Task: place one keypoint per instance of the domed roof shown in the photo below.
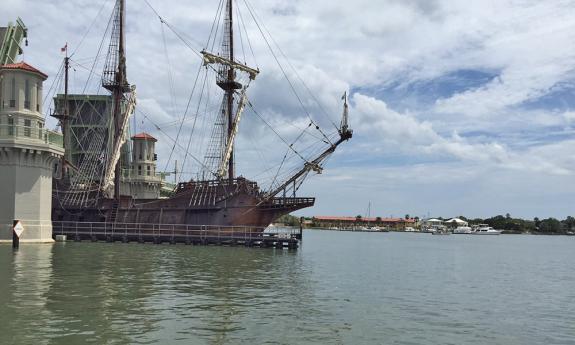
(143, 136)
(25, 67)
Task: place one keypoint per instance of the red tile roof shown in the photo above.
(363, 219)
(144, 136)
(24, 66)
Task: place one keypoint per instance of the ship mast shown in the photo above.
(64, 120)
(118, 93)
(220, 154)
(229, 86)
(114, 79)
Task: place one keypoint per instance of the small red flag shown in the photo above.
(64, 48)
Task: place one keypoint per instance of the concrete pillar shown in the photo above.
(26, 192)
(27, 157)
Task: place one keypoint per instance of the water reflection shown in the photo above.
(337, 288)
(127, 293)
(25, 283)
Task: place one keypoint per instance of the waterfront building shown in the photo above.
(28, 152)
(327, 222)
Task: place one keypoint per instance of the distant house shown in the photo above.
(349, 222)
(455, 222)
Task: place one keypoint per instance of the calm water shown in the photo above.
(338, 288)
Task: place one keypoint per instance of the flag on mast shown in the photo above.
(64, 48)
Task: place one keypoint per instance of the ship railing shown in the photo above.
(286, 201)
(216, 183)
(147, 230)
(31, 133)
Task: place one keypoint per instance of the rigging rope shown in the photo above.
(174, 31)
(297, 74)
(170, 138)
(183, 118)
(89, 28)
(240, 32)
(56, 80)
(216, 20)
(282, 69)
(196, 117)
(246, 33)
(276, 133)
(173, 99)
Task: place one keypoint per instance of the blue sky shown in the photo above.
(458, 107)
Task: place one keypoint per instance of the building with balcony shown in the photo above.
(28, 153)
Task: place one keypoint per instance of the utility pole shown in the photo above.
(66, 114)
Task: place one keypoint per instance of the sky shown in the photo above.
(458, 107)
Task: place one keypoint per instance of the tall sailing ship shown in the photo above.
(104, 179)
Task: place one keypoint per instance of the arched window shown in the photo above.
(38, 96)
(13, 93)
(27, 94)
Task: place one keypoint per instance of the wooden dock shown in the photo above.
(175, 233)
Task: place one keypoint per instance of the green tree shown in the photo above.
(550, 225)
(497, 222)
(537, 222)
(569, 223)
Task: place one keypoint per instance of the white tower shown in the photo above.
(27, 154)
(144, 182)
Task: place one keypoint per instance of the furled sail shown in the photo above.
(119, 140)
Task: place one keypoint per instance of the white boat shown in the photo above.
(368, 228)
(462, 230)
(440, 230)
(484, 229)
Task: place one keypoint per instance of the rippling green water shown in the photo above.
(338, 288)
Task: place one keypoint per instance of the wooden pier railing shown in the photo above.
(174, 233)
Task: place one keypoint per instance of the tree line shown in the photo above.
(500, 222)
(519, 225)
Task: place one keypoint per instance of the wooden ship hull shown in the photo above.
(199, 203)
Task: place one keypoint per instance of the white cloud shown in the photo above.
(397, 131)
(337, 46)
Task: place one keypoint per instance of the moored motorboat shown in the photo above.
(440, 230)
(462, 230)
(484, 229)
